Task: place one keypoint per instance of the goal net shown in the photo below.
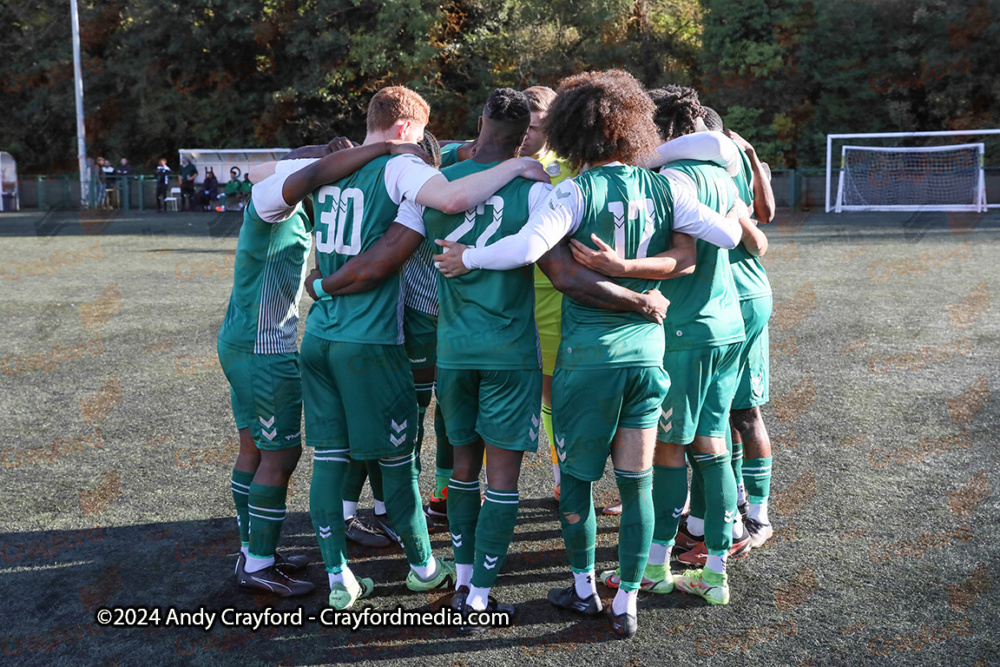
(937, 178)
(939, 170)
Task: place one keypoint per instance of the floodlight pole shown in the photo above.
(81, 133)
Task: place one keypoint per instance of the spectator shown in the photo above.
(162, 183)
(103, 169)
(186, 179)
(233, 197)
(122, 173)
(124, 169)
(209, 189)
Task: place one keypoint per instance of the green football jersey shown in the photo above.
(351, 215)
(486, 319)
(270, 265)
(449, 155)
(704, 306)
(748, 273)
(631, 210)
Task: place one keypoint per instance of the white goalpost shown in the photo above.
(931, 178)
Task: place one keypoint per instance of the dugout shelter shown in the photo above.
(222, 160)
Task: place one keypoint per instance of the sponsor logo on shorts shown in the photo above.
(400, 436)
(561, 448)
(267, 424)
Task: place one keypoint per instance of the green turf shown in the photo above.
(166, 535)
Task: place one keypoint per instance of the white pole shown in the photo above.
(829, 156)
(81, 134)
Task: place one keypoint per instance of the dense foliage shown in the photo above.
(258, 73)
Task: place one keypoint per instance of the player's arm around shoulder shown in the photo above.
(380, 262)
(553, 213)
(589, 288)
(452, 197)
(676, 262)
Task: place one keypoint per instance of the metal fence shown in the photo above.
(793, 188)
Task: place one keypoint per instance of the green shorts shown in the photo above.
(266, 393)
(753, 385)
(702, 385)
(358, 396)
(590, 405)
(420, 330)
(501, 407)
(548, 318)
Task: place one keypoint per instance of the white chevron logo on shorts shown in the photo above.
(398, 427)
(490, 562)
(456, 539)
(677, 512)
(324, 532)
(665, 422)
(266, 423)
(533, 434)
(560, 445)
(269, 434)
(397, 440)
(729, 516)
(534, 421)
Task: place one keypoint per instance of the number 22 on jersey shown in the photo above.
(496, 203)
(332, 225)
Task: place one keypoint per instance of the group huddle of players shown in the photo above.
(640, 333)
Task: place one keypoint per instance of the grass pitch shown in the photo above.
(119, 441)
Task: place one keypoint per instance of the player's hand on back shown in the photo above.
(603, 260)
(339, 144)
(655, 306)
(533, 170)
(739, 141)
(399, 147)
(310, 279)
(449, 262)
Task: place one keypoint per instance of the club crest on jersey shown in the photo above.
(552, 169)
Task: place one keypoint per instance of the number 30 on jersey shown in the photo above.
(332, 226)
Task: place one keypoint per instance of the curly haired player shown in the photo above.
(705, 335)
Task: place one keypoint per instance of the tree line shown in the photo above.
(264, 73)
